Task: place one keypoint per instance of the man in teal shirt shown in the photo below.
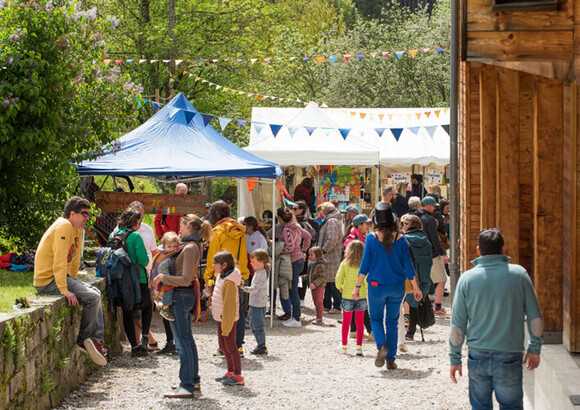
(492, 301)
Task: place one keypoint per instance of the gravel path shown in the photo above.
(304, 369)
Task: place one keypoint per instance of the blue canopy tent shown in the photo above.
(176, 142)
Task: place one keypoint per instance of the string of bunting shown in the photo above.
(390, 117)
(319, 58)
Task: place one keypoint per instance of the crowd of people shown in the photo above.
(373, 270)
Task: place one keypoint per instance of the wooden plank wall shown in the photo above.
(512, 135)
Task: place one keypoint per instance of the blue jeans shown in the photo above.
(495, 372)
(379, 298)
(332, 296)
(294, 295)
(241, 326)
(183, 302)
(168, 298)
(89, 297)
(257, 324)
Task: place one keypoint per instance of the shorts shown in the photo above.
(349, 305)
(438, 274)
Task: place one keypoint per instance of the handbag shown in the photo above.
(444, 240)
(425, 316)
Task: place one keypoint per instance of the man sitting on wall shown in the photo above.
(55, 273)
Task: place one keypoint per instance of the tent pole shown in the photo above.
(378, 185)
(272, 298)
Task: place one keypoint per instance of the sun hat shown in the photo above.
(384, 215)
(429, 200)
(360, 219)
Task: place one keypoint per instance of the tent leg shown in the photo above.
(272, 286)
(378, 185)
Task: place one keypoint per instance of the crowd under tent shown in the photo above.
(390, 143)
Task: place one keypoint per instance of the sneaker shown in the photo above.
(326, 309)
(96, 351)
(352, 335)
(381, 354)
(359, 351)
(80, 345)
(403, 348)
(292, 323)
(219, 353)
(167, 315)
(285, 316)
(139, 351)
(343, 349)
(241, 351)
(441, 312)
(222, 378)
(409, 336)
(301, 303)
(260, 350)
(316, 321)
(180, 393)
(168, 349)
(234, 380)
(196, 387)
(333, 311)
(391, 365)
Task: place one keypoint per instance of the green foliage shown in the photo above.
(46, 383)
(56, 102)
(14, 285)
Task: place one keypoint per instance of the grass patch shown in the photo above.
(14, 285)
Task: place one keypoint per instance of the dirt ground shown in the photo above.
(304, 369)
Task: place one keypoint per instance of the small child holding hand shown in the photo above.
(317, 279)
(258, 291)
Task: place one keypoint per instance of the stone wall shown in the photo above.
(40, 363)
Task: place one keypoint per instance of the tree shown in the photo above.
(56, 102)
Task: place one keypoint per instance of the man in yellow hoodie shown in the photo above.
(55, 273)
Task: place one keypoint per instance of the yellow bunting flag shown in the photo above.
(353, 113)
(107, 61)
(197, 79)
(413, 53)
(362, 114)
(258, 97)
(319, 59)
(390, 117)
(437, 112)
(381, 116)
(408, 116)
(445, 110)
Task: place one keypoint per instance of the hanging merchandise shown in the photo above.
(339, 185)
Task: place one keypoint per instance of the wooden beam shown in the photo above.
(488, 138)
(548, 206)
(520, 46)
(507, 160)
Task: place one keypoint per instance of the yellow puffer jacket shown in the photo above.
(228, 235)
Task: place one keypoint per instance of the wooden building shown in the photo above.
(519, 145)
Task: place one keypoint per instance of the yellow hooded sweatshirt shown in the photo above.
(228, 235)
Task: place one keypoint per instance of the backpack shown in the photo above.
(118, 257)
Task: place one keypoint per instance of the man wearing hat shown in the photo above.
(440, 258)
(230, 201)
(349, 213)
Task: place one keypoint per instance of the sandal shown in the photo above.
(154, 346)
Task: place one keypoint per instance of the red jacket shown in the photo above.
(166, 223)
(302, 192)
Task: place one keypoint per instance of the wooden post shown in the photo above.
(172, 93)
(507, 203)
(488, 137)
(548, 206)
(157, 95)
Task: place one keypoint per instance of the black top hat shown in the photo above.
(384, 215)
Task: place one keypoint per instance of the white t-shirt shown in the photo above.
(256, 241)
(148, 235)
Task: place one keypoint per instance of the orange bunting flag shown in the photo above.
(437, 112)
(319, 59)
(413, 53)
(352, 113)
(362, 114)
(418, 115)
(107, 61)
(258, 97)
(264, 97)
(427, 113)
(445, 110)
(390, 117)
(381, 116)
(251, 184)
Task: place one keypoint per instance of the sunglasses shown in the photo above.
(85, 214)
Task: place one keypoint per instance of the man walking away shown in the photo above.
(55, 273)
(491, 303)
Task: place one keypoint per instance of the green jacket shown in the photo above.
(422, 257)
(137, 253)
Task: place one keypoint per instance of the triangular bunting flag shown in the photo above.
(425, 50)
(333, 59)
(390, 117)
(346, 57)
(142, 61)
(129, 61)
(360, 56)
(293, 58)
(418, 114)
(107, 61)
(267, 60)
(189, 115)
(253, 60)
(217, 87)
(413, 53)
(240, 60)
(153, 61)
(380, 131)
(258, 97)
(446, 128)
(439, 50)
(118, 62)
(344, 132)
(397, 132)
(437, 112)
(381, 116)
(224, 121)
(310, 130)
(305, 59)
(362, 114)
(399, 54)
(241, 123)
(384, 53)
(408, 116)
(414, 130)
(445, 110)
(156, 106)
(258, 126)
(374, 55)
(427, 113)
(207, 118)
(292, 129)
(319, 59)
(353, 113)
(177, 62)
(327, 131)
(275, 129)
(431, 130)
(166, 61)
